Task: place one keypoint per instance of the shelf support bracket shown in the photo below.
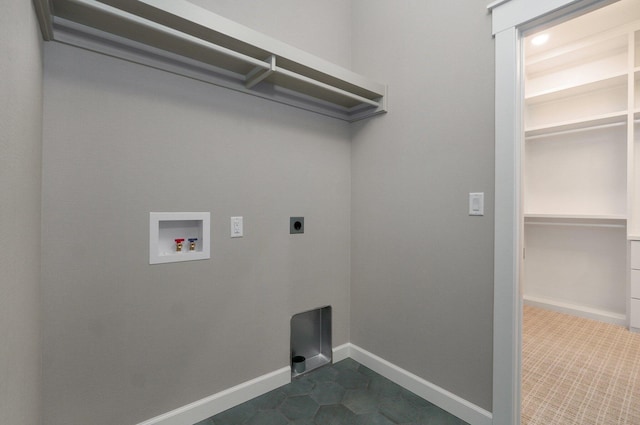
(258, 74)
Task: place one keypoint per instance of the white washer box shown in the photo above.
(166, 227)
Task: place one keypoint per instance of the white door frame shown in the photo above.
(509, 19)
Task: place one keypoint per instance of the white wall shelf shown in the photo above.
(183, 38)
(569, 217)
(577, 88)
(586, 123)
(166, 227)
(567, 220)
(577, 103)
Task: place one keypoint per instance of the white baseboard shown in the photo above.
(341, 352)
(219, 402)
(442, 398)
(576, 310)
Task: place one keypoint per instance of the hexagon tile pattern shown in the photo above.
(345, 393)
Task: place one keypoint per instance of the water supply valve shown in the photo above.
(192, 244)
(179, 244)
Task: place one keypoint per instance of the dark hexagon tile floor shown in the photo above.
(345, 393)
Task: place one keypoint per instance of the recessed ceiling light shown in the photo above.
(540, 39)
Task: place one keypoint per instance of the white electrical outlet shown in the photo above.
(237, 230)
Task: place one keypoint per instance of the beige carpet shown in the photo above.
(578, 371)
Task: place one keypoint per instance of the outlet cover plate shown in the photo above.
(237, 228)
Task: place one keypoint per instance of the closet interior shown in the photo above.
(581, 190)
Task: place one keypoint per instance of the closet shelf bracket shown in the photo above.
(259, 73)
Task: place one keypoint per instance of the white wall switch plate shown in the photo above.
(237, 230)
(476, 203)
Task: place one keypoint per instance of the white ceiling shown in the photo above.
(603, 19)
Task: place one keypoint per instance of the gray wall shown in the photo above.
(302, 24)
(422, 269)
(125, 341)
(386, 211)
(20, 190)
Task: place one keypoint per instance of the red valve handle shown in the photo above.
(179, 240)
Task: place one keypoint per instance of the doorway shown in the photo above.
(577, 203)
(511, 19)
(577, 162)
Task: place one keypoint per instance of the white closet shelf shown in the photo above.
(570, 90)
(605, 217)
(581, 220)
(182, 38)
(587, 123)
